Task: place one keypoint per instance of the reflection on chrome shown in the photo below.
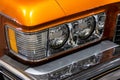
(71, 64)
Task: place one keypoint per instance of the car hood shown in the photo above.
(31, 12)
(34, 12)
(75, 6)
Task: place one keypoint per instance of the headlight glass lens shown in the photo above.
(35, 46)
(58, 36)
(84, 28)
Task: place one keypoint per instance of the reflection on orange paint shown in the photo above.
(33, 12)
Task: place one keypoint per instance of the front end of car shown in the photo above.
(76, 44)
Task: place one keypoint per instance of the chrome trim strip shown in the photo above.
(6, 75)
(115, 75)
(71, 59)
(13, 70)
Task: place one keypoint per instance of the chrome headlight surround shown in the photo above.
(36, 46)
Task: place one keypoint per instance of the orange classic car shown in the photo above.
(59, 39)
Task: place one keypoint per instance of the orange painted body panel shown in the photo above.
(75, 6)
(34, 12)
(31, 12)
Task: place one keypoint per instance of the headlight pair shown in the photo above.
(34, 46)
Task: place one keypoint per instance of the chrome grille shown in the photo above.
(7, 75)
(117, 32)
(117, 36)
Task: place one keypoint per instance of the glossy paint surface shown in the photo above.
(35, 12)
(31, 12)
(75, 6)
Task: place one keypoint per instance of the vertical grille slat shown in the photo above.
(117, 32)
(117, 36)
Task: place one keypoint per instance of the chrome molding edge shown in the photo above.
(14, 71)
(114, 75)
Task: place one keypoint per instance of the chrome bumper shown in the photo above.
(43, 72)
(11, 73)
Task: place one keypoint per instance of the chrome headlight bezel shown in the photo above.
(71, 41)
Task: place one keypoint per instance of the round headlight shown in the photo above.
(58, 36)
(84, 27)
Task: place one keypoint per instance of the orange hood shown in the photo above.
(34, 12)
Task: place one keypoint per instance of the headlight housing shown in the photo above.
(36, 46)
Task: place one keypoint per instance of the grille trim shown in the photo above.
(116, 38)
